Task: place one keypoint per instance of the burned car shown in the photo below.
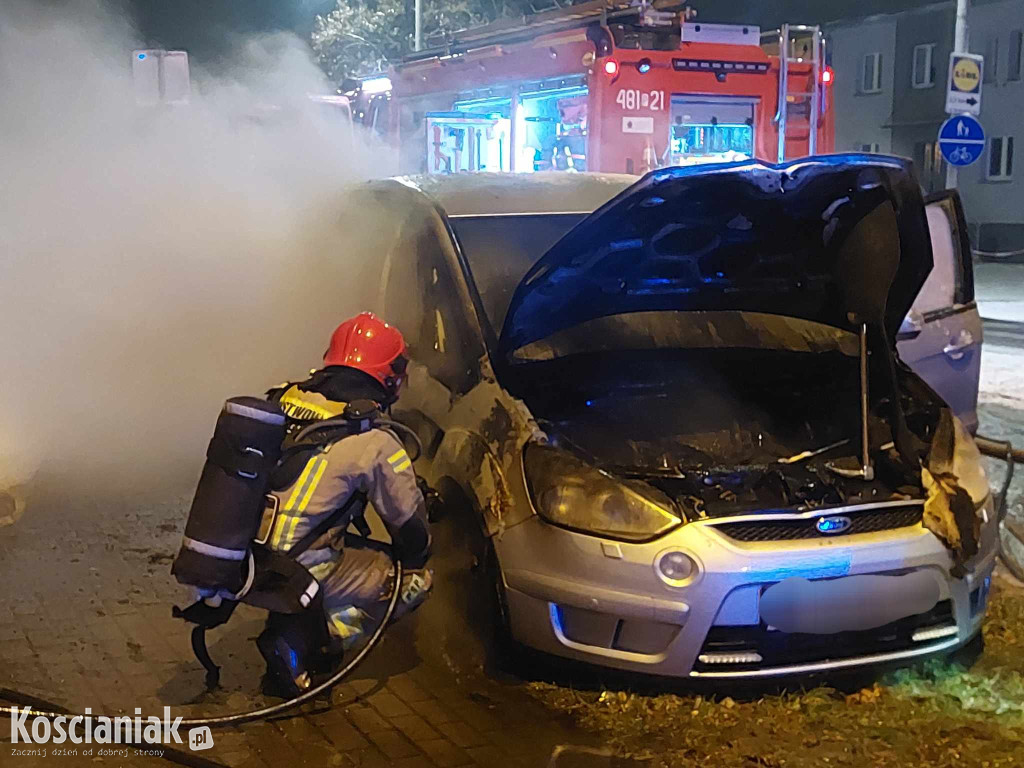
(676, 408)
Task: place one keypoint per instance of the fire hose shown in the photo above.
(1001, 449)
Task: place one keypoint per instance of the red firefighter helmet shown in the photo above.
(367, 343)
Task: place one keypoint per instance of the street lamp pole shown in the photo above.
(960, 45)
(418, 15)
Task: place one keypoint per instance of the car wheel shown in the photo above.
(499, 596)
(491, 620)
(508, 654)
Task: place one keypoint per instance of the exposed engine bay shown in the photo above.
(727, 431)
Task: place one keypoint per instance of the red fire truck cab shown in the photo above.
(608, 86)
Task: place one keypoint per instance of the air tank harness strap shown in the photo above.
(205, 617)
(342, 516)
(242, 460)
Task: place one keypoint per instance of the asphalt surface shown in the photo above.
(999, 290)
(87, 623)
(1004, 333)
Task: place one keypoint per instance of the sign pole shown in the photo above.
(960, 45)
(418, 25)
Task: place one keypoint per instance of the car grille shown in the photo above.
(867, 521)
(783, 648)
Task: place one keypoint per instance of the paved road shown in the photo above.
(1004, 333)
(999, 290)
(86, 606)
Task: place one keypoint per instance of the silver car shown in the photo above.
(676, 409)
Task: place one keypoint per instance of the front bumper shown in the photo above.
(603, 602)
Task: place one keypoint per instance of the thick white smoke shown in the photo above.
(155, 260)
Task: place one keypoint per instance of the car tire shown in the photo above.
(502, 652)
(499, 595)
(508, 654)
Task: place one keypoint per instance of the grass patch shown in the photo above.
(935, 715)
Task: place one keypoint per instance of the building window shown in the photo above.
(1000, 157)
(991, 60)
(924, 74)
(933, 160)
(870, 148)
(931, 165)
(1016, 38)
(871, 73)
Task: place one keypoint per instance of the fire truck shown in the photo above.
(607, 86)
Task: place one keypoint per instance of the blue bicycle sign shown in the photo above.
(962, 140)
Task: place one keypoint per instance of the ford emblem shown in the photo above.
(831, 525)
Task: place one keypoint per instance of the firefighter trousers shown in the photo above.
(356, 583)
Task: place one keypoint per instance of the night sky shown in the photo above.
(206, 28)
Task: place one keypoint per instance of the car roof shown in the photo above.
(482, 194)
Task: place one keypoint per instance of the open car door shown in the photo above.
(940, 339)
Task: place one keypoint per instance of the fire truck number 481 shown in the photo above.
(634, 99)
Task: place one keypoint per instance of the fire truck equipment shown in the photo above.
(658, 89)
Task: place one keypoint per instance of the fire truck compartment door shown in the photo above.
(708, 126)
(461, 141)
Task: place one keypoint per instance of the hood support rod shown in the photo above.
(867, 471)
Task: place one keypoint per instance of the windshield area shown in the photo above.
(500, 250)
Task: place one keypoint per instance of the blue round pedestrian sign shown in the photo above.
(961, 139)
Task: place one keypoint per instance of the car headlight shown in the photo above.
(571, 493)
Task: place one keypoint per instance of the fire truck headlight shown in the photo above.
(827, 76)
(643, 66)
(611, 67)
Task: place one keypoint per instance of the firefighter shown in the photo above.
(364, 362)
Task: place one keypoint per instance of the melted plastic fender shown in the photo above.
(487, 461)
(956, 485)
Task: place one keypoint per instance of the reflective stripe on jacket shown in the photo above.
(372, 463)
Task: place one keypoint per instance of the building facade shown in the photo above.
(889, 91)
(993, 189)
(862, 57)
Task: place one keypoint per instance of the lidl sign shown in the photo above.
(963, 90)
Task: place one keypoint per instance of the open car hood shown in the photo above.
(748, 236)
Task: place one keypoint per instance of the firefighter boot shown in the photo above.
(289, 648)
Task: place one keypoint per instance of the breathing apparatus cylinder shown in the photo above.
(230, 498)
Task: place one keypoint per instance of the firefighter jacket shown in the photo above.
(371, 467)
